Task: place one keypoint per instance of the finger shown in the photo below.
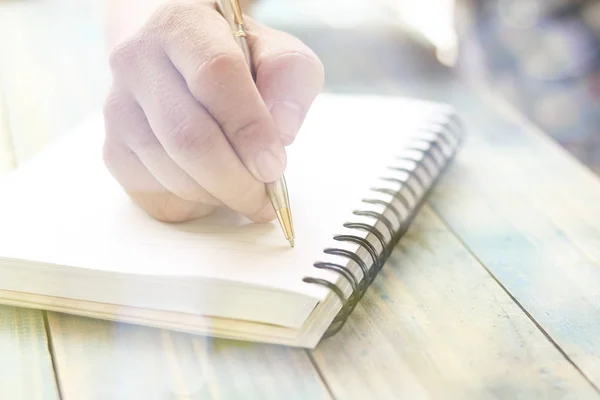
(288, 75)
(212, 63)
(145, 191)
(187, 132)
(126, 123)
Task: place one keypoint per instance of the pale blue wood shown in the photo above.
(531, 214)
(104, 360)
(25, 363)
(436, 325)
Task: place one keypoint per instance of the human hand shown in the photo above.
(187, 129)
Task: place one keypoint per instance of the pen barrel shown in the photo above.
(277, 191)
(246, 50)
(278, 194)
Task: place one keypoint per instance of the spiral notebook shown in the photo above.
(71, 241)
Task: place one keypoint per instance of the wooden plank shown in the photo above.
(567, 191)
(435, 324)
(531, 215)
(25, 364)
(103, 360)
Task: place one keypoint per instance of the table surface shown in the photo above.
(493, 293)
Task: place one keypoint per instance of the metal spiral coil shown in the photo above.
(445, 130)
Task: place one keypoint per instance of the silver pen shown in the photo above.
(277, 191)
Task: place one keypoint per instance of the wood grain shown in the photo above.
(435, 324)
(103, 360)
(530, 213)
(25, 364)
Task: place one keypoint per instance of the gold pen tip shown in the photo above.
(285, 220)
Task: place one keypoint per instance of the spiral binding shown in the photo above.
(446, 132)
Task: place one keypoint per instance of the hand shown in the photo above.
(187, 129)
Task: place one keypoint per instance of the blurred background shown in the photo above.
(540, 56)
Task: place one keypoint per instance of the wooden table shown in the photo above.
(493, 293)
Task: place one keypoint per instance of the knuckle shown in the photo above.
(249, 134)
(190, 140)
(121, 126)
(216, 66)
(142, 140)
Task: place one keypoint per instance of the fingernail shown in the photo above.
(288, 118)
(268, 166)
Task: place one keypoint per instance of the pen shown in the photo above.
(277, 191)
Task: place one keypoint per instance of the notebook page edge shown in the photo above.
(374, 99)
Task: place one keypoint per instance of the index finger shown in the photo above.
(216, 72)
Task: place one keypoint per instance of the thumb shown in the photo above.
(288, 76)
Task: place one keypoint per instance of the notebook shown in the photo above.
(71, 240)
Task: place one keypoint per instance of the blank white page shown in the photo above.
(64, 208)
